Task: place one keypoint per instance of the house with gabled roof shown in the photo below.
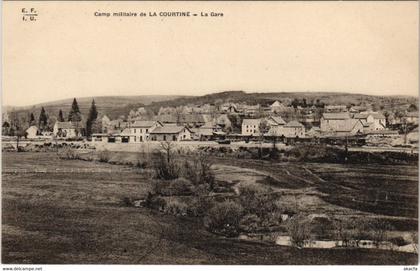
(139, 130)
(290, 129)
(278, 107)
(68, 129)
(372, 121)
(275, 120)
(171, 133)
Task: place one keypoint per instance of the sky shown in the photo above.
(359, 47)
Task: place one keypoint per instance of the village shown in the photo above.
(284, 122)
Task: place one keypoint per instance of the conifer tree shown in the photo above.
(32, 120)
(60, 116)
(93, 115)
(43, 119)
(74, 114)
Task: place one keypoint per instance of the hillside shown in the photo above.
(266, 99)
(112, 106)
(115, 106)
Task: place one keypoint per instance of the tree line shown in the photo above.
(17, 123)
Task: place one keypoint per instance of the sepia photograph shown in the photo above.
(209, 133)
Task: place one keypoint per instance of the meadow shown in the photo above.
(73, 211)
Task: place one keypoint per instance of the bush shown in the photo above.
(166, 169)
(379, 231)
(104, 156)
(224, 218)
(299, 229)
(176, 207)
(199, 171)
(68, 154)
(180, 186)
(262, 202)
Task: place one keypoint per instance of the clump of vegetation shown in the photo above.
(176, 207)
(379, 231)
(299, 229)
(68, 154)
(199, 171)
(261, 202)
(104, 156)
(166, 166)
(224, 218)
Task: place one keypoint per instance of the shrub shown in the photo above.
(166, 169)
(199, 171)
(299, 229)
(260, 201)
(176, 207)
(68, 154)
(379, 231)
(180, 186)
(224, 218)
(104, 156)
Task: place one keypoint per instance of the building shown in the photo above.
(412, 117)
(290, 129)
(68, 129)
(340, 124)
(275, 120)
(277, 107)
(99, 137)
(171, 133)
(372, 121)
(139, 130)
(330, 122)
(335, 108)
(208, 131)
(32, 132)
(251, 127)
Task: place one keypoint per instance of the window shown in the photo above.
(134, 130)
(174, 138)
(134, 139)
(164, 137)
(141, 138)
(147, 130)
(141, 130)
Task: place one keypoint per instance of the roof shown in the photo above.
(168, 129)
(68, 125)
(382, 132)
(276, 103)
(143, 123)
(336, 116)
(346, 126)
(294, 123)
(32, 127)
(375, 115)
(278, 120)
(251, 122)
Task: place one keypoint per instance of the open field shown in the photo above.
(62, 211)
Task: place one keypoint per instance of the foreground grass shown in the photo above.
(58, 216)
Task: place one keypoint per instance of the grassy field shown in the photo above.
(62, 211)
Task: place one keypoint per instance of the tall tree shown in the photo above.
(74, 114)
(43, 119)
(93, 115)
(60, 116)
(32, 120)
